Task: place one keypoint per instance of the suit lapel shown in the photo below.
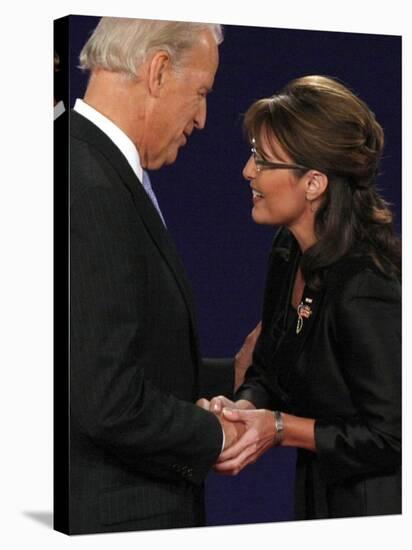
(87, 131)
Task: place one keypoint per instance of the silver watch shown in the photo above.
(279, 427)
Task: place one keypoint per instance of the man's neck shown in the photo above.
(119, 99)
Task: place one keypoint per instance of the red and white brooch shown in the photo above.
(304, 312)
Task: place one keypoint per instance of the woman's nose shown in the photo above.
(249, 170)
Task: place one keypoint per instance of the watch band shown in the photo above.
(279, 427)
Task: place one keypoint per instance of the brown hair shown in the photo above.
(323, 125)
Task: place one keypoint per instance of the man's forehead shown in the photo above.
(205, 52)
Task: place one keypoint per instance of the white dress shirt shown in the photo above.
(119, 138)
(124, 143)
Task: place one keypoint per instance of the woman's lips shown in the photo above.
(257, 196)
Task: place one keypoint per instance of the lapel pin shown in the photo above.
(304, 312)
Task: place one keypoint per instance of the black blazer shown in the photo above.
(140, 449)
(342, 369)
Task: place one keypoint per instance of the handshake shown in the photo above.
(249, 432)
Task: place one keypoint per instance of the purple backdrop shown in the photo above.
(207, 204)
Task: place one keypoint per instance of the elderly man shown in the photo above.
(140, 448)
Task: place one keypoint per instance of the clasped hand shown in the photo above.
(249, 432)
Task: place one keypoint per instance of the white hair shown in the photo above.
(123, 45)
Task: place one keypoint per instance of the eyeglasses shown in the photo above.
(263, 164)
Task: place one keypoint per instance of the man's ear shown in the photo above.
(316, 185)
(157, 72)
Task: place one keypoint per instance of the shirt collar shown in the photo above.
(113, 132)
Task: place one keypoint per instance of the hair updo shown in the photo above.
(321, 124)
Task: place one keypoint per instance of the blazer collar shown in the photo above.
(289, 342)
(83, 129)
(282, 262)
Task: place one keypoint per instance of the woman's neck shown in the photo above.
(304, 234)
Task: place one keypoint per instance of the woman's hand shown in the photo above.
(260, 435)
(243, 358)
(232, 430)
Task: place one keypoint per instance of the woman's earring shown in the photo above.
(312, 208)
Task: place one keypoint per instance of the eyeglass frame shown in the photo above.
(263, 164)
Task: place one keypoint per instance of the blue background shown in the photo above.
(207, 204)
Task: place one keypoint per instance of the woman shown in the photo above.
(327, 362)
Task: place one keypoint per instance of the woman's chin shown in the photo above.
(261, 217)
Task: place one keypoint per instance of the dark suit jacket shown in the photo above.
(140, 449)
(344, 370)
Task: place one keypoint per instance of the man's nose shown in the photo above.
(200, 118)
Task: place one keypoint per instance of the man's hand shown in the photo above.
(243, 358)
(259, 436)
(203, 403)
(233, 430)
(217, 404)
